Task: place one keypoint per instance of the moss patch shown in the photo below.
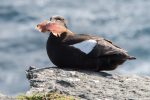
(48, 96)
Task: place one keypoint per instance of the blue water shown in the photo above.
(125, 22)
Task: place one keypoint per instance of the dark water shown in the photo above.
(125, 22)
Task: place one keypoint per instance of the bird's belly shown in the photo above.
(66, 56)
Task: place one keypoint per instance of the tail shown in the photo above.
(131, 58)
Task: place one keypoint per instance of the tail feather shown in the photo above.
(131, 58)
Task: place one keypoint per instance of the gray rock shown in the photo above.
(87, 85)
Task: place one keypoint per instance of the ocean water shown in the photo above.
(125, 22)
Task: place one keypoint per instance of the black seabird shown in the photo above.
(80, 51)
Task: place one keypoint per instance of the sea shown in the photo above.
(125, 22)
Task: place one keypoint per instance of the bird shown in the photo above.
(67, 49)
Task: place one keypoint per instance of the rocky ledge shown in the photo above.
(85, 85)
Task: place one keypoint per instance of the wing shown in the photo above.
(106, 47)
(85, 46)
(93, 46)
(82, 42)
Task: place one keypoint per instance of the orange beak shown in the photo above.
(42, 26)
(55, 27)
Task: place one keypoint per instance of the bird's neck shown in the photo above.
(60, 38)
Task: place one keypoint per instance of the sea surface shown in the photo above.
(125, 22)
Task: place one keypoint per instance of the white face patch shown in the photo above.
(85, 46)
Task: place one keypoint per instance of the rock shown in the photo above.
(87, 85)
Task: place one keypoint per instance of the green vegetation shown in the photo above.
(48, 96)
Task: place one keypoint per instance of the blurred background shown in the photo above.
(125, 22)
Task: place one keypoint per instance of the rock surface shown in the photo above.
(89, 85)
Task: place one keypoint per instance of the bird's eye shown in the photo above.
(58, 18)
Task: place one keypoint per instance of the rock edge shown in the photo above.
(86, 85)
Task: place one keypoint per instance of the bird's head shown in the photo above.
(56, 25)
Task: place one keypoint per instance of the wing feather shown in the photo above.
(93, 45)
